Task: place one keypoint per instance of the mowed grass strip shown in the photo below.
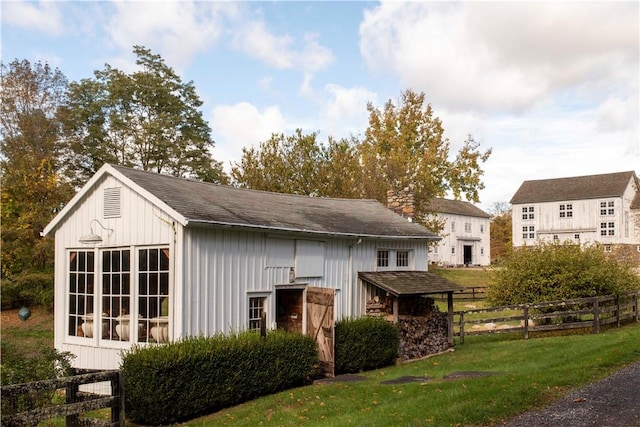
(525, 374)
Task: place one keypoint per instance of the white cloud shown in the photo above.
(242, 125)
(346, 110)
(178, 30)
(40, 16)
(501, 56)
(283, 52)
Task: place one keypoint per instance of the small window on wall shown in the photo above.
(256, 308)
(453, 226)
(402, 258)
(383, 258)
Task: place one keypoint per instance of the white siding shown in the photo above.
(476, 235)
(584, 223)
(140, 223)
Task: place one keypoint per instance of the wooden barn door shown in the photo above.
(320, 325)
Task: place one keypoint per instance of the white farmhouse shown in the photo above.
(144, 258)
(603, 209)
(465, 234)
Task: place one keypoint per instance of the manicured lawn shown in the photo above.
(467, 277)
(525, 374)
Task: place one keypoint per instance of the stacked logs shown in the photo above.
(421, 336)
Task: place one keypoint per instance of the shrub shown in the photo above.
(553, 271)
(33, 364)
(168, 383)
(364, 343)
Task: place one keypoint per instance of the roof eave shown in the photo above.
(307, 232)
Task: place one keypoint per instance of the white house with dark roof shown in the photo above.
(603, 209)
(147, 258)
(465, 234)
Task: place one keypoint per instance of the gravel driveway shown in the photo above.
(611, 402)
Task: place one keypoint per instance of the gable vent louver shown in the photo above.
(112, 205)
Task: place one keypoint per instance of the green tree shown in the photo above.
(32, 97)
(500, 232)
(405, 145)
(148, 119)
(299, 164)
(554, 271)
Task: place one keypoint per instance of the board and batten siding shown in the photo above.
(139, 224)
(222, 268)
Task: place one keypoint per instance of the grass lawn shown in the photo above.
(467, 277)
(525, 374)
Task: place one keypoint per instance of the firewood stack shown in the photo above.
(421, 336)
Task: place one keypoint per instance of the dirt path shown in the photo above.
(611, 402)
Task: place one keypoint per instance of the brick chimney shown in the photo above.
(402, 202)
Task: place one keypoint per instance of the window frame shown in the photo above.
(104, 299)
(261, 297)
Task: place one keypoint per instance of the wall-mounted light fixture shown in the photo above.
(93, 238)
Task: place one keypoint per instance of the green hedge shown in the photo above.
(165, 384)
(365, 343)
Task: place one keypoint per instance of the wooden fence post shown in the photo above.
(526, 321)
(71, 395)
(596, 316)
(617, 310)
(462, 327)
(635, 303)
(117, 389)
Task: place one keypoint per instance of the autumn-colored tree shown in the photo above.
(501, 233)
(405, 144)
(32, 190)
(148, 119)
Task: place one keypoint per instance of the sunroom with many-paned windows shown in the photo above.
(119, 294)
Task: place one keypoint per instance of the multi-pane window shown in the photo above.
(555, 237)
(607, 229)
(153, 294)
(566, 210)
(576, 236)
(453, 249)
(607, 208)
(393, 258)
(383, 258)
(81, 293)
(123, 296)
(453, 226)
(467, 227)
(528, 232)
(481, 228)
(402, 258)
(527, 212)
(116, 291)
(256, 308)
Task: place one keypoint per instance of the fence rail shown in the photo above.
(551, 316)
(31, 403)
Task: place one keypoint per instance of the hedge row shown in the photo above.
(168, 383)
(365, 343)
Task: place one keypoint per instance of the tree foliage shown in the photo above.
(554, 271)
(403, 145)
(500, 231)
(148, 119)
(300, 164)
(32, 189)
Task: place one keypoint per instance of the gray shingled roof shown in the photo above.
(573, 188)
(401, 283)
(457, 207)
(201, 202)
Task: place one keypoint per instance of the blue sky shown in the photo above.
(552, 87)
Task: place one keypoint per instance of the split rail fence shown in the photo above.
(591, 313)
(31, 403)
